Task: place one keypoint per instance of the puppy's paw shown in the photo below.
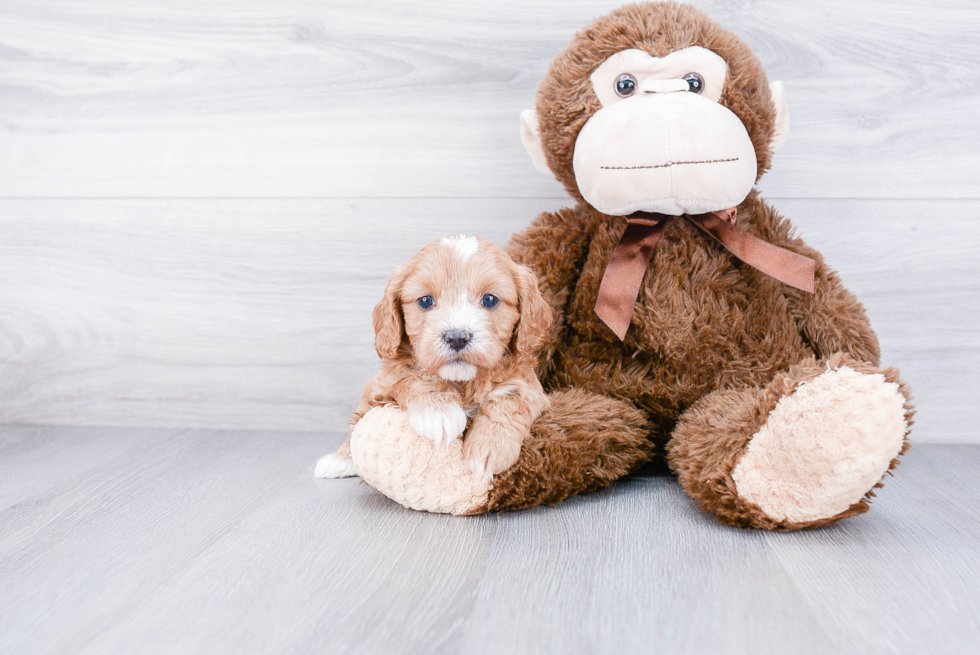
(334, 466)
(491, 448)
(442, 421)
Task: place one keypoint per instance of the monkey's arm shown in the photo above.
(831, 319)
(554, 246)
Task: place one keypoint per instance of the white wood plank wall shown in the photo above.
(200, 200)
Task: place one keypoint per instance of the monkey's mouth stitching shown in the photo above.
(667, 165)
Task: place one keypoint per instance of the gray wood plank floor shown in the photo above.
(122, 540)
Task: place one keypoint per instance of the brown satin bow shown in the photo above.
(631, 256)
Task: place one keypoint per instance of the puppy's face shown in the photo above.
(459, 306)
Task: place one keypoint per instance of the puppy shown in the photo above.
(457, 332)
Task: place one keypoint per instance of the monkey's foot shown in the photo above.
(582, 442)
(413, 470)
(824, 446)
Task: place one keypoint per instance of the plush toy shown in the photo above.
(689, 323)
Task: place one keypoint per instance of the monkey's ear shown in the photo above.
(531, 139)
(782, 116)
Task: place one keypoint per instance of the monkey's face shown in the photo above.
(686, 132)
(661, 142)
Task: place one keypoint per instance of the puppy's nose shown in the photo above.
(457, 339)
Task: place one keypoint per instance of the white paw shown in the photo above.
(333, 466)
(824, 446)
(442, 425)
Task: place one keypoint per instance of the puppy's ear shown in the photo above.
(389, 326)
(535, 314)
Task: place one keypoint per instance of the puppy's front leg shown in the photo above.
(494, 441)
(437, 416)
(491, 447)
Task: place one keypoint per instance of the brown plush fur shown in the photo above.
(583, 442)
(703, 319)
(713, 344)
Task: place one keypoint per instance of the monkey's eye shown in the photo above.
(695, 83)
(425, 302)
(489, 300)
(625, 85)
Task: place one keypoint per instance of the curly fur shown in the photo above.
(497, 403)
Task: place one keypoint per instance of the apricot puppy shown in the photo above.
(458, 331)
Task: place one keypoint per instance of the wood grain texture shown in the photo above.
(248, 306)
(256, 314)
(354, 98)
(222, 313)
(221, 542)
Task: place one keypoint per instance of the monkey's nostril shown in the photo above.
(457, 339)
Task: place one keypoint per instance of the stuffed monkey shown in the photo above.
(689, 322)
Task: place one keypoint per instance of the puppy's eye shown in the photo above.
(625, 85)
(695, 83)
(489, 300)
(426, 302)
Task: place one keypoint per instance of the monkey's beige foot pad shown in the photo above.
(412, 470)
(824, 446)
